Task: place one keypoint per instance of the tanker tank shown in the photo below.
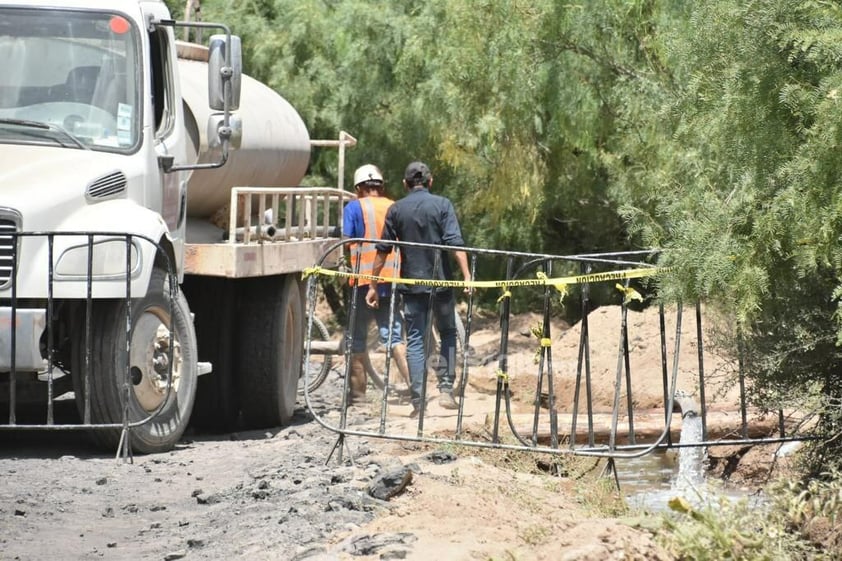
(275, 148)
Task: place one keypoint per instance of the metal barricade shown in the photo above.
(55, 344)
(564, 417)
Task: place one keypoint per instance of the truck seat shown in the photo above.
(110, 89)
(81, 83)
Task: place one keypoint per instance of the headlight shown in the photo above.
(108, 257)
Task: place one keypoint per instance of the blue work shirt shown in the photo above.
(422, 217)
(353, 226)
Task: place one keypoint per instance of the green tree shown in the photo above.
(752, 218)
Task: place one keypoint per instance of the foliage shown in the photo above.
(475, 89)
(726, 531)
(754, 220)
(801, 521)
(813, 510)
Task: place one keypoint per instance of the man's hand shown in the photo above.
(468, 290)
(371, 297)
(462, 260)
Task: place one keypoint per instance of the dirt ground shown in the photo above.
(302, 493)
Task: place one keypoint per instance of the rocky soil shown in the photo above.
(300, 493)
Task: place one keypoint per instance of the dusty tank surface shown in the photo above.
(275, 148)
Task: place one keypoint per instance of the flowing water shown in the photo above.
(651, 481)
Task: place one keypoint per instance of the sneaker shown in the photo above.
(446, 401)
(416, 410)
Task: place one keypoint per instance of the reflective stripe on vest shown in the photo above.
(374, 216)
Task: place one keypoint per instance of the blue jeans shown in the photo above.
(359, 332)
(417, 308)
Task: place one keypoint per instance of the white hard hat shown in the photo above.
(367, 172)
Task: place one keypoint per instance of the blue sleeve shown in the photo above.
(451, 233)
(352, 220)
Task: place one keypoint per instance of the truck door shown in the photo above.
(169, 135)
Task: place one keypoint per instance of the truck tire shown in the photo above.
(213, 303)
(151, 316)
(270, 332)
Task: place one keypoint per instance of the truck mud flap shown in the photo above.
(49, 331)
(540, 388)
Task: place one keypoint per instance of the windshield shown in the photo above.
(69, 79)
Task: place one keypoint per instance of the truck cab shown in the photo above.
(94, 164)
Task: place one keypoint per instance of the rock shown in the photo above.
(378, 543)
(440, 457)
(390, 483)
(392, 552)
(207, 499)
(260, 494)
(314, 553)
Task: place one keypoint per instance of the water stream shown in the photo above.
(691, 459)
(651, 481)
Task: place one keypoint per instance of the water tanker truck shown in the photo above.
(152, 234)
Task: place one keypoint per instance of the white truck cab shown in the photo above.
(95, 156)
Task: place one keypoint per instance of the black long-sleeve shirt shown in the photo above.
(421, 217)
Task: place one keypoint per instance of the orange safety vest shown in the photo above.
(374, 216)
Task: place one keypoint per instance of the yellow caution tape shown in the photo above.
(503, 375)
(560, 283)
(506, 294)
(629, 293)
(310, 271)
(560, 286)
(546, 342)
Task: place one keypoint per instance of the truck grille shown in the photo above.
(8, 227)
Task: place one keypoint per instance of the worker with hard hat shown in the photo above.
(363, 218)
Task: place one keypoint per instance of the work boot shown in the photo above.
(416, 411)
(446, 400)
(357, 382)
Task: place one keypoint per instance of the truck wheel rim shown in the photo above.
(149, 369)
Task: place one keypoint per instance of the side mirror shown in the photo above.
(216, 122)
(220, 71)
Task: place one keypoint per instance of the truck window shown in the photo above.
(71, 76)
(162, 82)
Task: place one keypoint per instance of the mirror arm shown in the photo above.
(226, 72)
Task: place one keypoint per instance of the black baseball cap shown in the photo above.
(417, 173)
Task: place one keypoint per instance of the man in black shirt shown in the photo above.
(421, 217)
